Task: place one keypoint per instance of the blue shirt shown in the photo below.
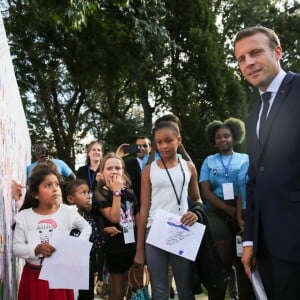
(214, 170)
(62, 168)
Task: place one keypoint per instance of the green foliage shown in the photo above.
(202, 86)
(282, 16)
(123, 132)
(109, 67)
(79, 11)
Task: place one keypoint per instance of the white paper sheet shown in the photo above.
(68, 267)
(168, 233)
(258, 287)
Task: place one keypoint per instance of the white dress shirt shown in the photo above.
(273, 89)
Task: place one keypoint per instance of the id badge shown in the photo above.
(128, 232)
(239, 245)
(228, 193)
(91, 197)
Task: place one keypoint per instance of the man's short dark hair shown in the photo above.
(249, 31)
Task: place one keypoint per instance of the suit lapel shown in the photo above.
(138, 168)
(278, 101)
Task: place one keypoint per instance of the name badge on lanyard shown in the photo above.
(239, 245)
(128, 232)
(91, 197)
(228, 192)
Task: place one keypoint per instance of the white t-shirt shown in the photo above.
(33, 229)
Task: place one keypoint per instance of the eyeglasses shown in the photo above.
(142, 146)
(40, 149)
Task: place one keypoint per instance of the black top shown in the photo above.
(96, 220)
(103, 198)
(134, 171)
(89, 175)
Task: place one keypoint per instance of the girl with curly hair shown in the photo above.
(222, 180)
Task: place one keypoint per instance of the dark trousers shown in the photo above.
(87, 294)
(281, 279)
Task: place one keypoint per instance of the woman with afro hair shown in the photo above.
(222, 180)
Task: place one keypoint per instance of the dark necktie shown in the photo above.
(263, 118)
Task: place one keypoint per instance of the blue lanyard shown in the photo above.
(226, 168)
(91, 180)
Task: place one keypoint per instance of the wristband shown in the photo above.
(117, 193)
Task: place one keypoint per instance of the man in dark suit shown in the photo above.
(134, 166)
(272, 224)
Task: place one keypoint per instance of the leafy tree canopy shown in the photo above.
(108, 67)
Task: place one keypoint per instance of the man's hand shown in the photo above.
(120, 151)
(247, 260)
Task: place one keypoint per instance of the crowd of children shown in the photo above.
(100, 206)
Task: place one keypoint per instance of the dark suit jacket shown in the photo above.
(273, 191)
(134, 171)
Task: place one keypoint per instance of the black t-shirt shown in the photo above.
(103, 198)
